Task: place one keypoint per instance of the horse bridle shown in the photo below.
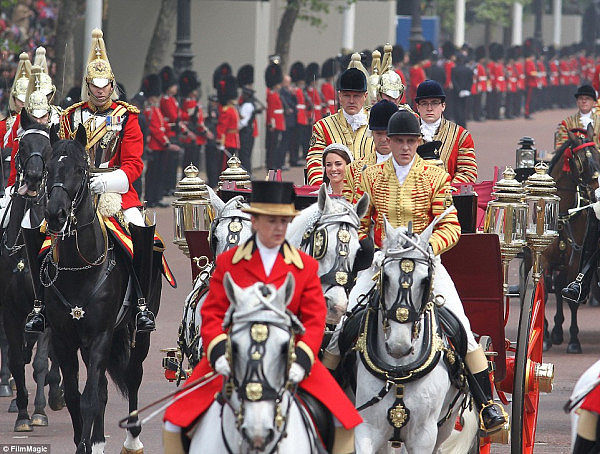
(234, 228)
(21, 166)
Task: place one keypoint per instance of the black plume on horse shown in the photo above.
(86, 277)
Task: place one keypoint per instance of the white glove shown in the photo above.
(296, 373)
(596, 207)
(597, 191)
(222, 366)
(378, 257)
(115, 181)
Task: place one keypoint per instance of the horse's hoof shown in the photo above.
(12, 408)
(6, 391)
(124, 450)
(38, 419)
(574, 348)
(557, 337)
(56, 399)
(23, 425)
(547, 345)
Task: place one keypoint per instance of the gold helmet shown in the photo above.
(46, 81)
(390, 82)
(97, 71)
(373, 79)
(19, 88)
(356, 62)
(37, 104)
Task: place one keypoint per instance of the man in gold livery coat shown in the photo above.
(587, 113)
(349, 126)
(406, 189)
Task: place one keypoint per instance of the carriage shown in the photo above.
(478, 265)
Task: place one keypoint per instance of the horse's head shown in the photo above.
(330, 235)
(34, 151)
(260, 347)
(231, 226)
(406, 278)
(583, 157)
(67, 182)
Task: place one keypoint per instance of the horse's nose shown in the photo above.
(56, 219)
(259, 441)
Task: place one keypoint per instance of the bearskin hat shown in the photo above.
(312, 72)
(167, 78)
(151, 85)
(328, 69)
(397, 53)
(297, 71)
(366, 58)
(224, 69)
(273, 75)
(188, 82)
(245, 75)
(227, 89)
(479, 53)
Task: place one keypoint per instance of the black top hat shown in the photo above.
(227, 89)
(380, 115)
(273, 75)
(586, 90)
(428, 150)
(404, 123)
(312, 72)
(297, 71)
(273, 198)
(430, 89)
(328, 69)
(245, 75)
(167, 78)
(188, 82)
(352, 80)
(224, 69)
(151, 85)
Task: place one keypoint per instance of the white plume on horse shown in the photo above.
(267, 425)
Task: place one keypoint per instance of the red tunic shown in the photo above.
(531, 79)
(315, 113)
(574, 68)
(170, 110)
(417, 75)
(301, 117)
(512, 78)
(491, 71)
(554, 74)
(228, 132)
(499, 77)
(520, 74)
(565, 72)
(448, 65)
(128, 155)
(542, 78)
(157, 139)
(480, 80)
(592, 401)
(328, 98)
(2, 131)
(307, 303)
(275, 117)
(189, 107)
(596, 79)
(13, 145)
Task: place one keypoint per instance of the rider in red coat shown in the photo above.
(267, 258)
(587, 425)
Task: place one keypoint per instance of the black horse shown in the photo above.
(575, 168)
(16, 273)
(87, 279)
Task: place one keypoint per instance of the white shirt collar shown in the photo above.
(267, 255)
(429, 129)
(357, 120)
(402, 171)
(587, 118)
(382, 157)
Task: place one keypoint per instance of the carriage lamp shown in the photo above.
(192, 209)
(526, 157)
(506, 216)
(234, 173)
(542, 214)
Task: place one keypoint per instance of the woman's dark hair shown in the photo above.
(338, 151)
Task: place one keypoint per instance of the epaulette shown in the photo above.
(243, 252)
(292, 256)
(130, 107)
(72, 107)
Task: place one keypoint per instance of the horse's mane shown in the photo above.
(36, 125)
(557, 155)
(69, 148)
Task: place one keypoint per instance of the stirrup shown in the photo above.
(496, 428)
(36, 322)
(574, 290)
(145, 326)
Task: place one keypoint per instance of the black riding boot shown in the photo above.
(36, 320)
(578, 290)
(143, 251)
(491, 415)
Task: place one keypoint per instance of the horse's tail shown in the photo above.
(119, 358)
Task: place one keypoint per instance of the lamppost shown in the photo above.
(182, 57)
(416, 31)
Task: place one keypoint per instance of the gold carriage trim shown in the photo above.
(213, 343)
(306, 349)
(254, 391)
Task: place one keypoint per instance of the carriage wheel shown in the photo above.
(526, 389)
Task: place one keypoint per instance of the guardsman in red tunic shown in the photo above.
(313, 109)
(114, 140)
(542, 83)
(267, 258)
(491, 94)
(416, 73)
(275, 118)
(192, 129)
(480, 83)
(531, 77)
(301, 137)
(328, 71)
(512, 84)
(228, 133)
(520, 69)
(170, 109)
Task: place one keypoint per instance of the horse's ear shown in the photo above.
(81, 136)
(25, 118)
(573, 138)
(323, 198)
(215, 201)
(289, 286)
(230, 288)
(54, 134)
(362, 206)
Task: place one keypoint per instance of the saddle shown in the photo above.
(321, 418)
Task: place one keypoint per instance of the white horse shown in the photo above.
(403, 385)
(328, 230)
(585, 384)
(260, 414)
(230, 227)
